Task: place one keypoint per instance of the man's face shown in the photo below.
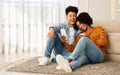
(71, 18)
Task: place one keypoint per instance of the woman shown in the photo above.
(90, 43)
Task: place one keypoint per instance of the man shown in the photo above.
(55, 36)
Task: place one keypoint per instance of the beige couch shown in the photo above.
(113, 48)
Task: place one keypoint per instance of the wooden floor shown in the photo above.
(18, 73)
(7, 59)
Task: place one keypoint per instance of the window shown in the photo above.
(25, 22)
(115, 9)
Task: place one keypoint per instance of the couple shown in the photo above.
(80, 44)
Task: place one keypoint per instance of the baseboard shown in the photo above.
(114, 57)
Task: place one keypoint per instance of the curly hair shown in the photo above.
(71, 9)
(85, 18)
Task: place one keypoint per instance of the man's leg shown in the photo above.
(45, 60)
(53, 44)
(93, 53)
(58, 46)
(49, 47)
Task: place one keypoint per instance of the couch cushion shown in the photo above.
(114, 57)
(113, 43)
(110, 25)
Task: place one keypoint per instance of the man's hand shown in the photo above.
(51, 33)
(63, 38)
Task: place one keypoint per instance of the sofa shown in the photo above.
(113, 47)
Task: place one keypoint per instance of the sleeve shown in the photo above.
(57, 27)
(101, 39)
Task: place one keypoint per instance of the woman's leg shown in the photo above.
(93, 53)
(82, 59)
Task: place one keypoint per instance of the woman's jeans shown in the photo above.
(93, 53)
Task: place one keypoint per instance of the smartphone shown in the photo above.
(63, 32)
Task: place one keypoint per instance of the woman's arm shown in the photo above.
(101, 39)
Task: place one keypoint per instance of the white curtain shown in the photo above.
(24, 24)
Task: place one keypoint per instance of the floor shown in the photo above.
(17, 73)
(5, 60)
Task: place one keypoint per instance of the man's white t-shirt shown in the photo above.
(71, 38)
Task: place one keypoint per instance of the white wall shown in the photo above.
(70, 2)
(0, 31)
(98, 9)
(83, 5)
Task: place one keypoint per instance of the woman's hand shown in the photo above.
(84, 34)
(105, 32)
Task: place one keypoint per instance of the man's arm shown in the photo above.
(54, 29)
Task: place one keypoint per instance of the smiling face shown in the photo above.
(82, 26)
(71, 18)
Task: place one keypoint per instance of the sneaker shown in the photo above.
(40, 59)
(43, 61)
(59, 67)
(63, 63)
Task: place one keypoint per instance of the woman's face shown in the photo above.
(81, 26)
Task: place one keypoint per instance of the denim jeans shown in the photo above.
(55, 45)
(80, 60)
(93, 53)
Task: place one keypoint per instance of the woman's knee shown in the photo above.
(83, 39)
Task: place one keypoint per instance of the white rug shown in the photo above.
(31, 66)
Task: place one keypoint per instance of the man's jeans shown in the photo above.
(55, 45)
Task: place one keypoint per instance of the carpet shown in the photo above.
(31, 66)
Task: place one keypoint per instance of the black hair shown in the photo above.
(76, 27)
(85, 18)
(71, 9)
